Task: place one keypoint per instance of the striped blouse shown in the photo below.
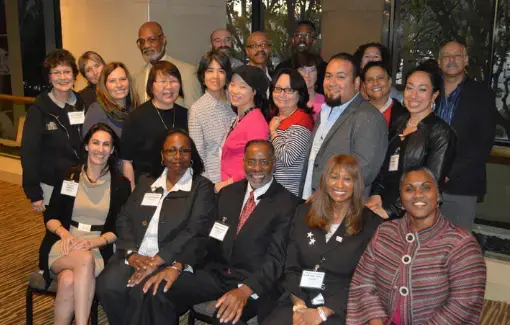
(434, 276)
(294, 134)
(208, 122)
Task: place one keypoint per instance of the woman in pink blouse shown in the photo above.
(247, 92)
(306, 64)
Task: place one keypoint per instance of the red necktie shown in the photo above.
(248, 208)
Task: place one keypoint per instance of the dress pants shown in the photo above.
(112, 291)
(460, 209)
(188, 290)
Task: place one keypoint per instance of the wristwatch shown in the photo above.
(129, 253)
(322, 314)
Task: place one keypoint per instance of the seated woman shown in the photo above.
(51, 140)
(291, 128)
(328, 236)
(376, 80)
(90, 64)
(247, 93)
(144, 130)
(417, 138)
(116, 97)
(375, 52)
(211, 116)
(162, 217)
(80, 225)
(306, 64)
(420, 269)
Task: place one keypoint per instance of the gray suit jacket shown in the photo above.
(190, 86)
(361, 132)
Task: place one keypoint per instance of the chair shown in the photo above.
(205, 311)
(37, 284)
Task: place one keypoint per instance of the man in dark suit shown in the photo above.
(348, 124)
(245, 251)
(470, 109)
(303, 39)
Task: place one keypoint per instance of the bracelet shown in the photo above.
(55, 231)
(322, 314)
(176, 268)
(106, 240)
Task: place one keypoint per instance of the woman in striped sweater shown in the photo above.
(420, 269)
(290, 128)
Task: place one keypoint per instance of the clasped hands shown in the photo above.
(146, 266)
(302, 315)
(70, 243)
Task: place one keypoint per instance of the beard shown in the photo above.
(333, 102)
(156, 55)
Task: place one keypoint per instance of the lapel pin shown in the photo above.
(339, 239)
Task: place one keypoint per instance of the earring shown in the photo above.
(433, 105)
(162, 163)
(191, 163)
(439, 200)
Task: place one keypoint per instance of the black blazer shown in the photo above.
(338, 259)
(184, 215)
(256, 257)
(397, 110)
(474, 122)
(61, 208)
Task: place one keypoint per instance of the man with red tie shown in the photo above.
(245, 251)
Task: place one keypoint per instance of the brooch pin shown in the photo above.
(312, 239)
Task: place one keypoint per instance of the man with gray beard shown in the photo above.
(152, 44)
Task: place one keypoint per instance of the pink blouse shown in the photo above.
(317, 102)
(253, 126)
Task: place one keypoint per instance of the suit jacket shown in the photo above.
(190, 86)
(184, 216)
(61, 208)
(360, 131)
(474, 122)
(256, 256)
(338, 258)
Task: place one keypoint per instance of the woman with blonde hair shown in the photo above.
(328, 236)
(90, 65)
(116, 97)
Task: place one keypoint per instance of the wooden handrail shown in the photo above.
(17, 99)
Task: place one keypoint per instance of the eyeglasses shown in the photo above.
(151, 39)
(260, 46)
(262, 162)
(285, 90)
(307, 69)
(173, 152)
(65, 73)
(165, 82)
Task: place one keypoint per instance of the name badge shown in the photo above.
(76, 117)
(218, 231)
(151, 199)
(312, 279)
(394, 163)
(84, 227)
(69, 188)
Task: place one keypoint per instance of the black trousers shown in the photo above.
(111, 289)
(282, 315)
(188, 290)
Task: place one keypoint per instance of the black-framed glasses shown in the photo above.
(259, 46)
(285, 90)
(150, 40)
(173, 152)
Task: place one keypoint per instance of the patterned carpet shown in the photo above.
(21, 231)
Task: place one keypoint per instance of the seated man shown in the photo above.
(245, 252)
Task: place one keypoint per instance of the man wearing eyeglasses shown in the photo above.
(470, 109)
(152, 44)
(258, 50)
(221, 39)
(303, 40)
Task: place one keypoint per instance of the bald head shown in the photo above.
(453, 59)
(152, 26)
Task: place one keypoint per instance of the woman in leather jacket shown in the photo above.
(418, 138)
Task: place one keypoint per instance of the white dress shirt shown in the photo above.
(149, 246)
(258, 192)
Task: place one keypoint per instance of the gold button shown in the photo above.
(144, 223)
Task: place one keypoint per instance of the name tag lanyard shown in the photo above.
(161, 118)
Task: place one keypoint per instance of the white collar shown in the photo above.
(259, 191)
(184, 183)
(387, 105)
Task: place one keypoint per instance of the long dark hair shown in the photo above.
(297, 82)
(197, 163)
(113, 161)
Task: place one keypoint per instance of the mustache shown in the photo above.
(452, 65)
(261, 52)
(224, 47)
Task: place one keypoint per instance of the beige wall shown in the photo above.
(110, 27)
(346, 24)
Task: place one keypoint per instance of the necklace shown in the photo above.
(409, 124)
(161, 118)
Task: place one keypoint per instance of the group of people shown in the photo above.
(310, 193)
